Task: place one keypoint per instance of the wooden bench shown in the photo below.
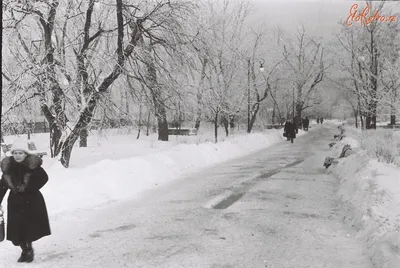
(338, 137)
(332, 161)
(182, 131)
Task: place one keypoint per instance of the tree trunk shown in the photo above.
(66, 146)
(232, 122)
(393, 119)
(148, 123)
(273, 114)
(156, 92)
(299, 109)
(361, 121)
(225, 122)
(197, 124)
(253, 117)
(126, 102)
(140, 121)
(83, 135)
(67, 149)
(162, 123)
(372, 107)
(393, 108)
(55, 135)
(216, 126)
(356, 118)
(368, 122)
(200, 94)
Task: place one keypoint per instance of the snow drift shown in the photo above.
(125, 173)
(370, 195)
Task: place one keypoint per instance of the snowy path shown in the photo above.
(252, 212)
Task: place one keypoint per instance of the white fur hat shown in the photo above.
(20, 145)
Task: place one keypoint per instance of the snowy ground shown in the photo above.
(273, 208)
(370, 194)
(118, 166)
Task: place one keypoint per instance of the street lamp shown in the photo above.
(262, 61)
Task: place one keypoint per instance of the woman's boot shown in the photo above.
(29, 254)
(25, 249)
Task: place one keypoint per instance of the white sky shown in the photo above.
(319, 16)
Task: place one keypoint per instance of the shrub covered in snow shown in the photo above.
(381, 144)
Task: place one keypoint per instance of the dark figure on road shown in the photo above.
(290, 131)
(322, 120)
(27, 219)
(306, 123)
(296, 123)
(317, 120)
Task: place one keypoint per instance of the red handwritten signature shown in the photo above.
(365, 18)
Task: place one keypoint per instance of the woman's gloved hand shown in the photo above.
(21, 188)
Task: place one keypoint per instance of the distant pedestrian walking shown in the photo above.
(322, 120)
(290, 131)
(306, 123)
(27, 219)
(317, 120)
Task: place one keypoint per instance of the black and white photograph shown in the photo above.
(200, 134)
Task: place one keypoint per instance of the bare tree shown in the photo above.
(48, 80)
(305, 62)
(270, 79)
(370, 55)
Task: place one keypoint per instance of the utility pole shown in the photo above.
(248, 96)
(293, 106)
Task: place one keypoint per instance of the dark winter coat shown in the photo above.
(306, 122)
(27, 214)
(290, 130)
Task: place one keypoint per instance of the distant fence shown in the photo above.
(19, 128)
(23, 128)
(389, 126)
(182, 131)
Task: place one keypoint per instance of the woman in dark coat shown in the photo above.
(27, 219)
(290, 130)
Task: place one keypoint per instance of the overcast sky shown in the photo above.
(319, 16)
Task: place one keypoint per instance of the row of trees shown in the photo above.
(369, 59)
(71, 58)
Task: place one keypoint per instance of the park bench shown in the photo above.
(332, 161)
(339, 137)
(274, 126)
(389, 126)
(182, 131)
(6, 147)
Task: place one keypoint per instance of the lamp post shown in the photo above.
(293, 105)
(262, 61)
(248, 96)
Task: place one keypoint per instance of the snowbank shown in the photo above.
(142, 165)
(370, 195)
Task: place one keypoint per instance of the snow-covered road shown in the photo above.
(275, 208)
